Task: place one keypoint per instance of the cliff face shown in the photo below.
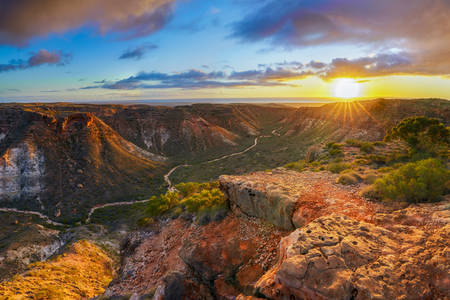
(63, 165)
(22, 168)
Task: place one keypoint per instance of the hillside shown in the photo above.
(63, 159)
(63, 165)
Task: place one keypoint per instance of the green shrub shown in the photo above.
(371, 193)
(189, 188)
(367, 147)
(421, 181)
(205, 200)
(353, 143)
(145, 222)
(338, 167)
(159, 205)
(370, 178)
(334, 149)
(296, 166)
(350, 178)
(192, 196)
(377, 159)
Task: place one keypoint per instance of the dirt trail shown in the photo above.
(28, 212)
(166, 179)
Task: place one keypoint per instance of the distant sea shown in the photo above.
(174, 102)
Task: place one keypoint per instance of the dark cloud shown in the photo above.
(269, 74)
(138, 52)
(316, 65)
(196, 79)
(418, 27)
(40, 58)
(21, 20)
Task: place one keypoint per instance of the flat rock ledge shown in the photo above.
(337, 257)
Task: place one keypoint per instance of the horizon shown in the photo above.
(167, 50)
(182, 102)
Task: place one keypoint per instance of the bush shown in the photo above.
(379, 144)
(353, 143)
(205, 200)
(371, 193)
(370, 178)
(296, 166)
(367, 147)
(338, 167)
(159, 205)
(421, 181)
(145, 222)
(422, 134)
(189, 188)
(193, 197)
(334, 149)
(348, 178)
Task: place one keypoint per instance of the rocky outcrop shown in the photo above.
(182, 260)
(22, 244)
(290, 199)
(337, 257)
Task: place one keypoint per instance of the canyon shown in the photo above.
(74, 177)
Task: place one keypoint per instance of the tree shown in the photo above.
(422, 134)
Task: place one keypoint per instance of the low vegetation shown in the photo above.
(334, 149)
(83, 272)
(424, 136)
(338, 167)
(202, 199)
(421, 181)
(296, 166)
(349, 178)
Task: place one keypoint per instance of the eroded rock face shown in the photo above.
(183, 260)
(337, 257)
(290, 199)
(21, 173)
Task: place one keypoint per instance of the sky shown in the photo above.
(115, 50)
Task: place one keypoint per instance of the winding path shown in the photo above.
(35, 213)
(88, 220)
(166, 179)
(167, 176)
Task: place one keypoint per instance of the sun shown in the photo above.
(346, 88)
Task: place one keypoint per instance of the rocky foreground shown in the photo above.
(293, 235)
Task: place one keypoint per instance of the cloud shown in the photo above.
(383, 64)
(22, 20)
(196, 79)
(138, 52)
(43, 57)
(418, 27)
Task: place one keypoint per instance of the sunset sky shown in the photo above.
(59, 50)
